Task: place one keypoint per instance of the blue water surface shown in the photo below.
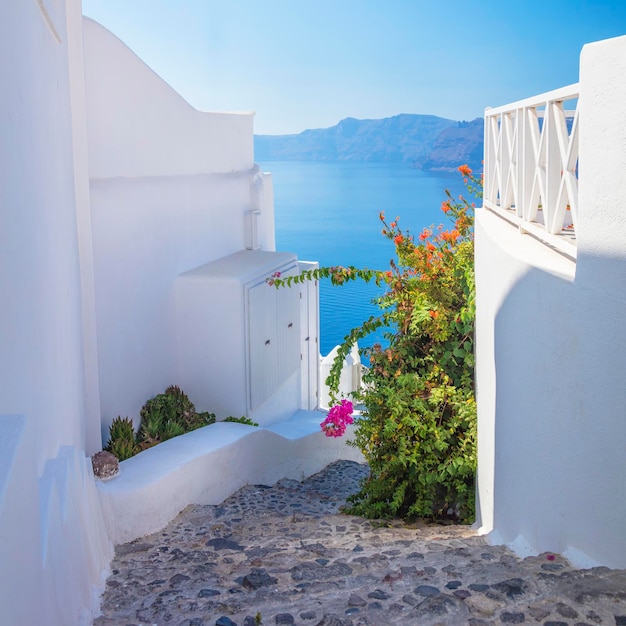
(328, 212)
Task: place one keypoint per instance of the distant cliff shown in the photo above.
(422, 141)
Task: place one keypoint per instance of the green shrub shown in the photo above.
(168, 415)
(241, 420)
(163, 417)
(418, 429)
(122, 438)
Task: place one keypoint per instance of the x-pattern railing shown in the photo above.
(531, 165)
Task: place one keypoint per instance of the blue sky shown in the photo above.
(308, 64)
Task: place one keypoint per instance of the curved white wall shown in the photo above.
(53, 546)
(550, 357)
(204, 467)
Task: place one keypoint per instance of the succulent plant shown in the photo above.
(122, 442)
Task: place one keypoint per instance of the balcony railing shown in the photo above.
(531, 166)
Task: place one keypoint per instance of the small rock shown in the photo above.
(220, 543)
(426, 590)
(478, 587)
(379, 594)
(132, 547)
(225, 621)
(410, 600)
(453, 584)
(461, 593)
(179, 578)
(356, 600)
(105, 465)
(375, 605)
(208, 593)
(566, 611)
(257, 578)
(512, 618)
(620, 620)
(511, 587)
(249, 621)
(440, 604)
(308, 615)
(284, 618)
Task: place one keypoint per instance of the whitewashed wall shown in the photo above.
(53, 546)
(550, 353)
(171, 189)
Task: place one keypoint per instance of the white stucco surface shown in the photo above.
(140, 126)
(209, 464)
(111, 186)
(550, 358)
(53, 545)
(145, 232)
(171, 188)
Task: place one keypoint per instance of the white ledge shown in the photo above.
(209, 464)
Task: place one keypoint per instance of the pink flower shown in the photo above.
(338, 418)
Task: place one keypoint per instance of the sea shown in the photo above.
(328, 212)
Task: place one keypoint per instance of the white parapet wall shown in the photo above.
(550, 358)
(207, 465)
(139, 126)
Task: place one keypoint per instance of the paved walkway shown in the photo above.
(285, 555)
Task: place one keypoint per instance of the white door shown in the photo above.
(263, 369)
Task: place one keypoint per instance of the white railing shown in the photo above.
(531, 165)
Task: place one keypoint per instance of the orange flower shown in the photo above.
(465, 170)
(398, 239)
(434, 314)
(430, 246)
(425, 234)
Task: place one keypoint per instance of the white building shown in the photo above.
(551, 305)
(118, 200)
(136, 234)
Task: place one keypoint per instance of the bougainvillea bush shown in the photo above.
(418, 428)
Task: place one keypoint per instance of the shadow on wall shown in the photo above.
(560, 428)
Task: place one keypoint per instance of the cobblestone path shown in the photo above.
(286, 555)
